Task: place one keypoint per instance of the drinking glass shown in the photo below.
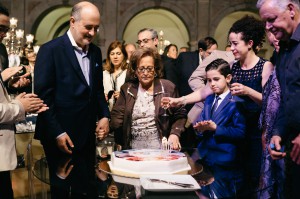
(230, 84)
(165, 102)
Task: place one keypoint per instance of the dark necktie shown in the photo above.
(215, 105)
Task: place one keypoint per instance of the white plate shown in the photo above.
(161, 187)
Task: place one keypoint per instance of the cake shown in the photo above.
(136, 162)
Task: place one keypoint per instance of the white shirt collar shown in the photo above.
(223, 95)
(74, 44)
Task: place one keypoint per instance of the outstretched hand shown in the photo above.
(9, 72)
(207, 125)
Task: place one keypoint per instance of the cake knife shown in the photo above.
(184, 185)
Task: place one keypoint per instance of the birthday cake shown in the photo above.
(136, 162)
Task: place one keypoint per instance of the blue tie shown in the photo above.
(215, 105)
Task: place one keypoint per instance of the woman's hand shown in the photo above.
(173, 102)
(239, 89)
(207, 125)
(9, 72)
(116, 94)
(174, 142)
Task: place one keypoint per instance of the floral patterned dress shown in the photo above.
(143, 129)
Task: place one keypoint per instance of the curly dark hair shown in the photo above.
(140, 53)
(251, 29)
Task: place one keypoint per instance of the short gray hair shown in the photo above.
(153, 32)
(281, 4)
(76, 12)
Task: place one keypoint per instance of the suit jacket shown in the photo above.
(186, 63)
(3, 57)
(198, 77)
(10, 112)
(74, 106)
(221, 147)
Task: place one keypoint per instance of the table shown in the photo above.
(214, 182)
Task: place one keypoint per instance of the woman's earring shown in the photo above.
(135, 76)
(155, 75)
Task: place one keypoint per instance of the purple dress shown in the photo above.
(272, 171)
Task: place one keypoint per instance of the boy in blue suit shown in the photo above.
(222, 129)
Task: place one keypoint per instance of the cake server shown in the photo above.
(184, 185)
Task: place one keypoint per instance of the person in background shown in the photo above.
(137, 118)
(275, 43)
(171, 51)
(282, 18)
(272, 175)
(221, 127)
(228, 48)
(12, 111)
(148, 37)
(130, 48)
(183, 49)
(21, 81)
(114, 73)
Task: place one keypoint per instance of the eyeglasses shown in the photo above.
(142, 70)
(4, 29)
(143, 41)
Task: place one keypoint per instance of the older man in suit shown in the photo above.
(68, 77)
(282, 19)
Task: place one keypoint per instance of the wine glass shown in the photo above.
(233, 80)
(165, 102)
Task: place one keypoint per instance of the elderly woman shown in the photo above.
(137, 118)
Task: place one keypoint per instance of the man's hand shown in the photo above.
(31, 103)
(295, 153)
(63, 170)
(9, 72)
(102, 128)
(276, 154)
(19, 82)
(65, 144)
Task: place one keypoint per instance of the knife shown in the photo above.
(184, 185)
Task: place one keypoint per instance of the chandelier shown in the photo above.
(14, 43)
(162, 43)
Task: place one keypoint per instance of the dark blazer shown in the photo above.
(186, 63)
(222, 146)
(74, 106)
(3, 57)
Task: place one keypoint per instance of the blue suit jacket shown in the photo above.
(74, 106)
(221, 147)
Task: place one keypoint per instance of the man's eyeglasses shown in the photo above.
(4, 29)
(142, 70)
(143, 41)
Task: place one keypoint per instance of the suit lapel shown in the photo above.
(222, 105)
(73, 59)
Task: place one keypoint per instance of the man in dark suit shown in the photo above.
(68, 77)
(285, 27)
(186, 63)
